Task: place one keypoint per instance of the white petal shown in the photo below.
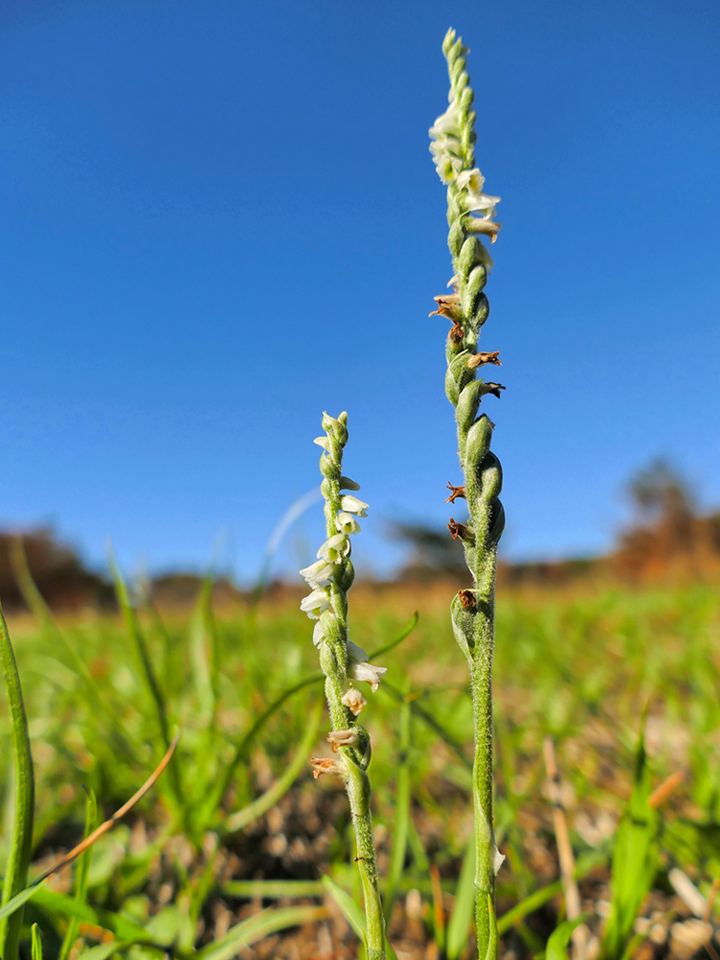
(346, 523)
(366, 671)
(318, 633)
(356, 653)
(323, 442)
(334, 549)
(350, 504)
(314, 603)
(319, 572)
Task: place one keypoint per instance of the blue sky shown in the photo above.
(221, 218)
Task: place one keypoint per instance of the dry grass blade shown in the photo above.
(118, 815)
(573, 907)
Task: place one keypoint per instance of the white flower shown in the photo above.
(318, 573)
(447, 124)
(334, 549)
(318, 633)
(366, 671)
(346, 523)
(314, 603)
(323, 442)
(355, 652)
(354, 700)
(342, 738)
(350, 504)
(472, 181)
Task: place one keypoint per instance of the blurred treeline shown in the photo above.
(668, 539)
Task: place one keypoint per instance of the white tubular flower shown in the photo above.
(334, 549)
(318, 573)
(354, 700)
(342, 738)
(366, 671)
(314, 603)
(356, 653)
(350, 504)
(346, 523)
(447, 124)
(472, 181)
(318, 633)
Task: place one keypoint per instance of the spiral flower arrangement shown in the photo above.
(470, 217)
(330, 578)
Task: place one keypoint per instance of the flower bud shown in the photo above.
(451, 388)
(497, 521)
(469, 403)
(478, 440)
(489, 473)
(463, 624)
(347, 484)
(467, 258)
(456, 235)
(344, 575)
(473, 288)
(328, 468)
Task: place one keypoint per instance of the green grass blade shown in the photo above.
(121, 927)
(401, 823)
(391, 644)
(136, 634)
(203, 647)
(104, 950)
(635, 860)
(544, 895)
(23, 800)
(81, 877)
(462, 916)
(36, 943)
(242, 751)
(148, 671)
(256, 927)
(350, 910)
(428, 719)
(559, 939)
(240, 820)
(40, 610)
(272, 889)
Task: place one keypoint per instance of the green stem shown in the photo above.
(23, 800)
(481, 688)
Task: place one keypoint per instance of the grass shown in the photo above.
(579, 668)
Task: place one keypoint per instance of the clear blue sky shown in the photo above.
(220, 218)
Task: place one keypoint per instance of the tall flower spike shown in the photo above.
(331, 577)
(470, 215)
